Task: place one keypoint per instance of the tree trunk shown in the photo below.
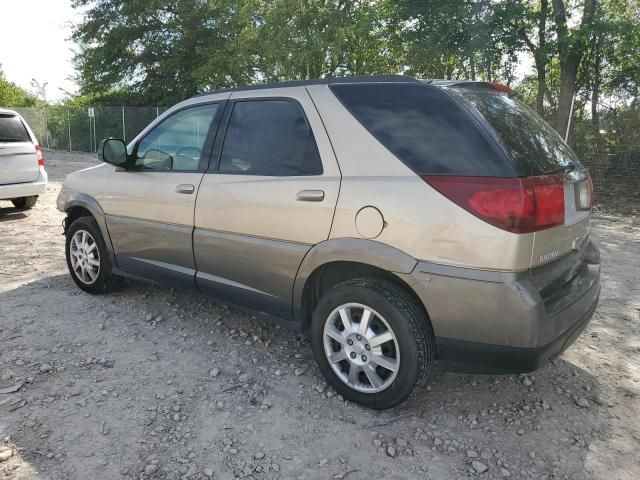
(541, 56)
(595, 94)
(571, 47)
(568, 73)
(542, 87)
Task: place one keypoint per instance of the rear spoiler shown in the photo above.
(501, 87)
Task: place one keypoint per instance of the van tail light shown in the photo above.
(39, 156)
(517, 205)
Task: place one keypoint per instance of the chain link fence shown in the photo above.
(82, 128)
(611, 154)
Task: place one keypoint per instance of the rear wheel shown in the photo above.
(87, 256)
(25, 202)
(372, 342)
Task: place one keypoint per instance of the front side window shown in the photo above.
(177, 142)
(271, 138)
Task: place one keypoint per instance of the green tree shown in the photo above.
(11, 95)
(161, 51)
(572, 43)
(301, 39)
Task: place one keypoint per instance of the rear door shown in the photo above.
(149, 209)
(535, 149)
(270, 199)
(18, 160)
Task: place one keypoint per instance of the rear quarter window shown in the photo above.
(532, 145)
(425, 128)
(12, 129)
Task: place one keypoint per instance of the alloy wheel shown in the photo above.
(85, 257)
(361, 348)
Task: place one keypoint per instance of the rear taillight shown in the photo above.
(518, 205)
(39, 156)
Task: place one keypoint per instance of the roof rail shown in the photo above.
(319, 81)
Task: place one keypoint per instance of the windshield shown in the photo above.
(533, 145)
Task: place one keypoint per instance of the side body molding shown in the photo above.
(83, 200)
(358, 250)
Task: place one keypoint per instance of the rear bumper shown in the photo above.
(17, 190)
(474, 357)
(494, 322)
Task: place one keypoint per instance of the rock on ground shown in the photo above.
(131, 389)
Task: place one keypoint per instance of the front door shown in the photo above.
(270, 200)
(149, 207)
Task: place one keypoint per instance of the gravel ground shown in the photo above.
(153, 382)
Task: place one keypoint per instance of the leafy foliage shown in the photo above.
(157, 52)
(11, 95)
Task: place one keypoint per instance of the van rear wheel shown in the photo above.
(372, 342)
(25, 202)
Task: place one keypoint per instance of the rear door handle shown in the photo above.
(310, 196)
(185, 188)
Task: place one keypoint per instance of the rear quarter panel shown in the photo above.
(418, 220)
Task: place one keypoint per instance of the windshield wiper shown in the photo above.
(10, 140)
(569, 167)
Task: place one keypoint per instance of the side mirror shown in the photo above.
(114, 151)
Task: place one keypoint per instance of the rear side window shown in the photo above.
(12, 129)
(271, 138)
(425, 128)
(532, 144)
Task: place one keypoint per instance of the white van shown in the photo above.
(22, 173)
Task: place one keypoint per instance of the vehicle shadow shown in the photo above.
(528, 425)
(11, 214)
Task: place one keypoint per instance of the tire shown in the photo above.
(25, 202)
(103, 278)
(409, 348)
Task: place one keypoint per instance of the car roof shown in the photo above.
(6, 111)
(319, 81)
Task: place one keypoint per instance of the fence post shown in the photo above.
(566, 133)
(124, 130)
(157, 112)
(90, 135)
(69, 127)
(46, 124)
(95, 141)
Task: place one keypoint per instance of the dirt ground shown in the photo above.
(153, 382)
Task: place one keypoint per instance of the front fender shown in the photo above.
(83, 200)
(358, 250)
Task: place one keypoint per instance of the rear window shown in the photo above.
(532, 144)
(12, 129)
(425, 128)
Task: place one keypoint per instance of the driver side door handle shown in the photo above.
(185, 188)
(310, 196)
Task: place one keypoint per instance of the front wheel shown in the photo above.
(372, 341)
(87, 256)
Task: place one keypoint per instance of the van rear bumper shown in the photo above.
(17, 190)
(496, 322)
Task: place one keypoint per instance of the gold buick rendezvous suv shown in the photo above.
(400, 221)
